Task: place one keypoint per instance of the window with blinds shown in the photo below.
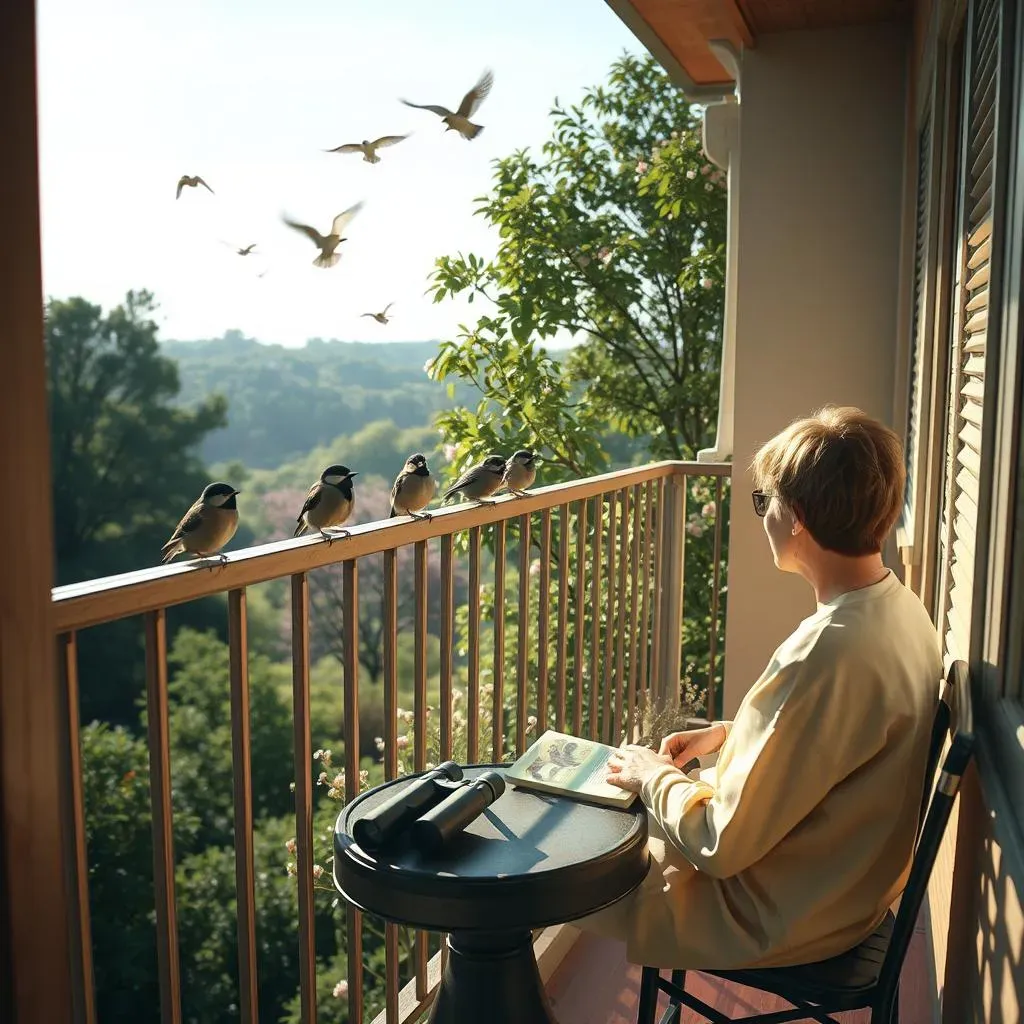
(971, 332)
(918, 350)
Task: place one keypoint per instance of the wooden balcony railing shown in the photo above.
(605, 638)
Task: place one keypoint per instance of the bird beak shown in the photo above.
(352, 475)
(235, 492)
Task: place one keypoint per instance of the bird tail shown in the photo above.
(473, 130)
(449, 493)
(327, 261)
(170, 549)
(301, 528)
(393, 513)
(373, 159)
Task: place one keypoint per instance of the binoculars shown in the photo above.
(434, 808)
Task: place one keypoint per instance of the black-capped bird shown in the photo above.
(414, 488)
(480, 481)
(191, 181)
(381, 318)
(329, 242)
(368, 148)
(207, 526)
(459, 120)
(520, 471)
(329, 503)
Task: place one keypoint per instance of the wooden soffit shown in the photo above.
(677, 32)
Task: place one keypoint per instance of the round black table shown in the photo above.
(530, 860)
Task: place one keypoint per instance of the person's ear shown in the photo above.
(797, 516)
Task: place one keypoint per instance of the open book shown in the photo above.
(569, 766)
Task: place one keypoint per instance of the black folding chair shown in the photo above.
(868, 976)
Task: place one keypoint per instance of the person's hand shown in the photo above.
(631, 766)
(682, 747)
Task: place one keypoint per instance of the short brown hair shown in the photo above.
(842, 472)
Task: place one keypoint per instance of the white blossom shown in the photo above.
(691, 174)
(340, 990)
(318, 871)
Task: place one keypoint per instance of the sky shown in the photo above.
(248, 94)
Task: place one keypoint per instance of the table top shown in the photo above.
(530, 859)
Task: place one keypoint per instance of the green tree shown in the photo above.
(125, 466)
(614, 235)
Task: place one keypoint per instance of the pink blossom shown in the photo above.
(641, 167)
(402, 742)
(449, 452)
(290, 846)
(535, 567)
(695, 529)
(604, 255)
(706, 169)
(340, 990)
(318, 871)
(708, 510)
(706, 283)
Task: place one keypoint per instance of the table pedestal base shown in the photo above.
(491, 978)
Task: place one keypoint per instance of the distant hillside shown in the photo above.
(282, 402)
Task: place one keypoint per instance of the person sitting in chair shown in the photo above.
(791, 847)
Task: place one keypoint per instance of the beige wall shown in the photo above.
(818, 207)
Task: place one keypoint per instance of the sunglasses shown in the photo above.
(761, 502)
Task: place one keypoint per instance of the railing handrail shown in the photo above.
(79, 605)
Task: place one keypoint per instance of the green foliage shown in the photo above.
(613, 236)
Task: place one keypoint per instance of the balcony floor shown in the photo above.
(595, 985)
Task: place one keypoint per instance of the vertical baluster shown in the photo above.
(646, 644)
(421, 599)
(245, 871)
(523, 636)
(656, 540)
(447, 635)
(303, 793)
(562, 640)
(160, 804)
(391, 951)
(498, 691)
(620, 625)
(609, 623)
(350, 677)
(579, 617)
(473, 683)
(711, 706)
(595, 617)
(635, 641)
(76, 855)
(543, 613)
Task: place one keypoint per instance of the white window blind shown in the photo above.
(971, 321)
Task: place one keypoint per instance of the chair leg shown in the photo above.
(648, 996)
(675, 1009)
(887, 1011)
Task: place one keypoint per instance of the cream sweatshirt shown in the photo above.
(791, 847)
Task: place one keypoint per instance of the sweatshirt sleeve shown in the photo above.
(807, 727)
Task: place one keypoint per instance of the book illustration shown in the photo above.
(557, 758)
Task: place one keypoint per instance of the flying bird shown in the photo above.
(329, 242)
(480, 482)
(414, 487)
(245, 250)
(520, 472)
(459, 120)
(207, 526)
(367, 148)
(329, 503)
(381, 318)
(192, 182)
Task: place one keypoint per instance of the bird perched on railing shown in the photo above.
(329, 503)
(191, 182)
(480, 481)
(207, 526)
(382, 317)
(520, 471)
(459, 120)
(367, 148)
(329, 242)
(413, 489)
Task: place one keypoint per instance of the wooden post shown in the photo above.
(35, 950)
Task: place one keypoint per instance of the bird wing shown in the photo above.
(343, 219)
(309, 232)
(396, 490)
(467, 478)
(476, 95)
(312, 500)
(190, 522)
(440, 111)
(367, 314)
(182, 182)
(199, 181)
(386, 308)
(348, 147)
(387, 140)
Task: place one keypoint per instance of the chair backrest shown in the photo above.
(959, 720)
(940, 730)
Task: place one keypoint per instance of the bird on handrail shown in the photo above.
(480, 482)
(328, 504)
(520, 472)
(413, 488)
(207, 526)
